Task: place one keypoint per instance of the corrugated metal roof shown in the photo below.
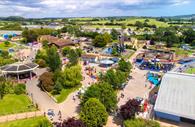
(177, 95)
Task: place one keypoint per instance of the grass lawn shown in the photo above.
(12, 103)
(30, 122)
(64, 94)
(4, 47)
(190, 71)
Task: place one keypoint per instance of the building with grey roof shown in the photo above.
(176, 97)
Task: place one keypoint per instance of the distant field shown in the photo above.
(151, 22)
(12, 103)
(127, 21)
(101, 26)
(31, 122)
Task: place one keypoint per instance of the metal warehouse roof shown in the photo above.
(177, 95)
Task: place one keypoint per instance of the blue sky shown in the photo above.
(80, 8)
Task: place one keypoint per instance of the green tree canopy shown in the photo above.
(93, 113)
(104, 92)
(73, 56)
(102, 40)
(68, 78)
(53, 59)
(115, 77)
(124, 66)
(114, 34)
(47, 81)
(65, 51)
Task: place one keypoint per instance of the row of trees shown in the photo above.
(31, 35)
(171, 36)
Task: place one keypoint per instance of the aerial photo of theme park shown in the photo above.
(72, 70)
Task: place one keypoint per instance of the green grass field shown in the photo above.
(151, 22)
(4, 47)
(11, 104)
(190, 71)
(127, 21)
(64, 94)
(30, 122)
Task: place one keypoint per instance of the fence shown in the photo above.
(19, 116)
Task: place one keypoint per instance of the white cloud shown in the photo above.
(51, 8)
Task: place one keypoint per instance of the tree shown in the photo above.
(6, 43)
(65, 51)
(104, 92)
(69, 78)
(124, 66)
(114, 34)
(99, 41)
(115, 77)
(189, 36)
(46, 81)
(93, 113)
(73, 56)
(71, 122)
(139, 24)
(123, 26)
(29, 35)
(170, 38)
(129, 109)
(53, 59)
(107, 38)
(45, 43)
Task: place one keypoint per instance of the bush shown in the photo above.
(141, 123)
(20, 89)
(129, 110)
(72, 122)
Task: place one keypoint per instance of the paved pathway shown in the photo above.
(68, 108)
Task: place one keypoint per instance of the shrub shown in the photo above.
(72, 122)
(20, 89)
(129, 110)
(140, 123)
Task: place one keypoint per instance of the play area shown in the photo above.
(153, 78)
(155, 60)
